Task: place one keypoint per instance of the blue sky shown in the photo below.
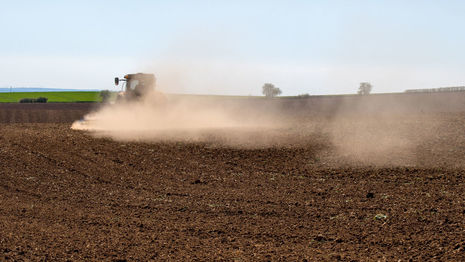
(233, 47)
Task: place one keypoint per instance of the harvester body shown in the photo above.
(136, 86)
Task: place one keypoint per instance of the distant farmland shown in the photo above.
(79, 96)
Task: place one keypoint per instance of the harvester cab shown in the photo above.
(136, 85)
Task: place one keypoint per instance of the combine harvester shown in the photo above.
(136, 88)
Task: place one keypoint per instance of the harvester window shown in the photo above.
(132, 84)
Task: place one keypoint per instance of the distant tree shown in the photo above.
(365, 88)
(304, 95)
(269, 90)
(105, 95)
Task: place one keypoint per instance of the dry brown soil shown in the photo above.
(66, 195)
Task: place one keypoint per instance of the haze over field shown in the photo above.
(372, 130)
(232, 48)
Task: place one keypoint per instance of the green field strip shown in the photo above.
(79, 96)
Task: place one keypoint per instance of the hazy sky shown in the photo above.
(233, 47)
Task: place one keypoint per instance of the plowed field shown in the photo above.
(67, 195)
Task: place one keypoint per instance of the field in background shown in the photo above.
(442, 101)
(68, 97)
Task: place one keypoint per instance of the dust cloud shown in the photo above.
(384, 130)
(373, 140)
(209, 119)
(342, 130)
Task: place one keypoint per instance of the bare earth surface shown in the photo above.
(66, 195)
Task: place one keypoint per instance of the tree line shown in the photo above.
(270, 90)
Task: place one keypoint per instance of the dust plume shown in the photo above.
(224, 121)
(343, 130)
(372, 140)
(379, 129)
